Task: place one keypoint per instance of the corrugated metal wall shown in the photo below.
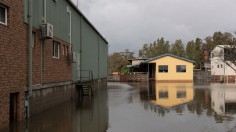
(91, 48)
(89, 56)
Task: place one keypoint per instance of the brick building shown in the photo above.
(13, 62)
(53, 76)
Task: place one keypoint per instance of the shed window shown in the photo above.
(3, 15)
(181, 68)
(56, 50)
(163, 94)
(181, 94)
(163, 68)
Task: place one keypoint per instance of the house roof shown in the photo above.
(164, 55)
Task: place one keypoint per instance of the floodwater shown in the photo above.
(172, 107)
(143, 107)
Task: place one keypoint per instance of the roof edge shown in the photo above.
(168, 54)
(80, 12)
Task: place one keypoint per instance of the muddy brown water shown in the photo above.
(143, 107)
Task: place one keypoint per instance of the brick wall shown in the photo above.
(54, 70)
(14, 60)
(13, 65)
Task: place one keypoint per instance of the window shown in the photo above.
(181, 68)
(218, 66)
(221, 65)
(163, 94)
(212, 55)
(181, 94)
(163, 68)
(63, 49)
(33, 39)
(3, 15)
(56, 50)
(66, 50)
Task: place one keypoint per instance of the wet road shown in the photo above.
(143, 107)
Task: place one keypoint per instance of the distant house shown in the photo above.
(170, 68)
(222, 70)
(135, 65)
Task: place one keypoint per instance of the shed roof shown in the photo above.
(167, 54)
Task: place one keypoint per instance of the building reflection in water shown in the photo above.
(169, 95)
(213, 100)
(223, 100)
(164, 97)
(87, 114)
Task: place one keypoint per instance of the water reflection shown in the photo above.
(84, 114)
(87, 114)
(224, 102)
(216, 100)
(211, 107)
(169, 95)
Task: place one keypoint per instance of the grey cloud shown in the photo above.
(131, 23)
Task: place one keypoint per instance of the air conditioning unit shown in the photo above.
(72, 57)
(47, 31)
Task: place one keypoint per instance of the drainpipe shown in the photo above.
(29, 56)
(69, 11)
(44, 11)
(81, 41)
(43, 40)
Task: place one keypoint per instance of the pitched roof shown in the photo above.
(167, 54)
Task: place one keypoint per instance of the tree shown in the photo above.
(190, 49)
(198, 52)
(229, 53)
(118, 61)
(158, 47)
(178, 48)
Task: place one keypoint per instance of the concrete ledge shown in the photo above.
(49, 85)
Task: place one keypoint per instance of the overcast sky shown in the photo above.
(128, 24)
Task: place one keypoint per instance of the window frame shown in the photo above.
(56, 49)
(181, 69)
(163, 71)
(6, 11)
(33, 39)
(163, 94)
(180, 94)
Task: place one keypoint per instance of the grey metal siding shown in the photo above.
(87, 42)
(89, 60)
(103, 53)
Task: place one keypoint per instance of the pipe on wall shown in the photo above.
(69, 12)
(30, 48)
(45, 11)
(29, 57)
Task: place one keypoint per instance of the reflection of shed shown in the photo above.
(170, 68)
(169, 95)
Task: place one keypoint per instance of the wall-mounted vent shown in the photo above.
(47, 31)
(72, 57)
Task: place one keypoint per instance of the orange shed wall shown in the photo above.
(172, 75)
